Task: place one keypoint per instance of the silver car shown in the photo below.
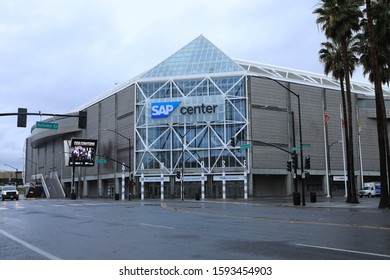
(9, 192)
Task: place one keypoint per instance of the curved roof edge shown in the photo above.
(261, 69)
(304, 77)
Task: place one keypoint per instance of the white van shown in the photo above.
(371, 189)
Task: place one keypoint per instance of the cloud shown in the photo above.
(58, 55)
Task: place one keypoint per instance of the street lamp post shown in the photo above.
(74, 193)
(301, 147)
(129, 140)
(294, 155)
(300, 134)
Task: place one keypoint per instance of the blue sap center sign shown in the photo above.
(187, 109)
(163, 109)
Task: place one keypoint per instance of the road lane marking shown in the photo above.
(344, 250)
(279, 220)
(158, 226)
(30, 246)
(93, 204)
(9, 208)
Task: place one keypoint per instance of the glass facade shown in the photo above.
(205, 143)
(188, 108)
(198, 57)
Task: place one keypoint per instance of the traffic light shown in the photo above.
(22, 117)
(294, 161)
(307, 162)
(289, 165)
(233, 141)
(178, 174)
(82, 119)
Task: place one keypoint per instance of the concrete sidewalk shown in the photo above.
(320, 202)
(286, 201)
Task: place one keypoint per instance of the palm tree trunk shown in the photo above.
(345, 131)
(383, 140)
(351, 192)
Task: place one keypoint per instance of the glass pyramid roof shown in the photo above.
(198, 57)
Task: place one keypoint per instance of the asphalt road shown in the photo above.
(190, 230)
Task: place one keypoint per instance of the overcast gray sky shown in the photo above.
(56, 55)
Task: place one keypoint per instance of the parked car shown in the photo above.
(9, 192)
(371, 189)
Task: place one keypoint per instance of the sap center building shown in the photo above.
(203, 125)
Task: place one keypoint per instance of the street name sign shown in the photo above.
(47, 125)
(299, 148)
(245, 146)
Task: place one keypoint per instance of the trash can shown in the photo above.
(117, 196)
(313, 197)
(197, 196)
(297, 198)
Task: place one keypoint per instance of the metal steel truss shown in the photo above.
(205, 144)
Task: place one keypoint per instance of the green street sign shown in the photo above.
(101, 161)
(299, 148)
(46, 125)
(245, 146)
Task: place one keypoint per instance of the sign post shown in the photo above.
(245, 181)
(162, 181)
(123, 181)
(203, 179)
(223, 181)
(142, 182)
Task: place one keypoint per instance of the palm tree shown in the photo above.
(331, 56)
(379, 60)
(380, 13)
(339, 19)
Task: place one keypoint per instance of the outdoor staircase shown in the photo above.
(50, 185)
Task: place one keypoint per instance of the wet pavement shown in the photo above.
(320, 202)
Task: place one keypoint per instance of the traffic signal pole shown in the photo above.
(22, 117)
(294, 155)
(300, 134)
(301, 148)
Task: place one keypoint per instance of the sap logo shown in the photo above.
(163, 109)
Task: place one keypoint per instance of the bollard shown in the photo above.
(297, 198)
(313, 197)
